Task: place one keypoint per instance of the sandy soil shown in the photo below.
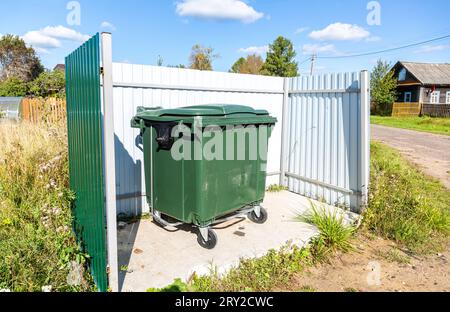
(430, 152)
(377, 265)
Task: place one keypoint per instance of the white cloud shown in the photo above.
(42, 51)
(301, 30)
(373, 39)
(37, 39)
(340, 32)
(50, 37)
(318, 48)
(219, 9)
(108, 26)
(64, 33)
(432, 48)
(255, 50)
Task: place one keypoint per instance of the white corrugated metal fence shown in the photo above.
(322, 131)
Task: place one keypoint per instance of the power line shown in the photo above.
(386, 50)
(304, 61)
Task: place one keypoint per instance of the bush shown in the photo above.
(404, 205)
(13, 87)
(49, 84)
(36, 240)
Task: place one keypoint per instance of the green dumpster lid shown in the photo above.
(217, 114)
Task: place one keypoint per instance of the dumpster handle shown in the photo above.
(164, 135)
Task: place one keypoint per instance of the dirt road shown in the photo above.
(430, 152)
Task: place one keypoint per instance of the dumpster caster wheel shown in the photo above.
(211, 242)
(262, 218)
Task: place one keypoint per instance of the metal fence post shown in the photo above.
(284, 132)
(109, 162)
(364, 170)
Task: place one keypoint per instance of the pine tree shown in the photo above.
(280, 59)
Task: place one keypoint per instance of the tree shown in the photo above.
(49, 84)
(280, 59)
(201, 58)
(18, 60)
(159, 61)
(236, 68)
(250, 65)
(383, 88)
(13, 87)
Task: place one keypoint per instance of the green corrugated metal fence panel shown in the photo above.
(84, 120)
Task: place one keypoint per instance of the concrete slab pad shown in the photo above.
(154, 257)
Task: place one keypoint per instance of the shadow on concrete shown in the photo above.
(129, 203)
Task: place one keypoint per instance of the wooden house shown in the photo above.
(426, 84)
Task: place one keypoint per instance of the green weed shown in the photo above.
(36, 240)
(274, 188)
(404, 205)
(263, 274)
(334, 235)
(395, 255)
(177, 286)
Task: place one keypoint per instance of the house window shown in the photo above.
(447, 98)
(408, 97)
(434, 97)
(402, 75)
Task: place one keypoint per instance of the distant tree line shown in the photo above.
(279, 60)
(22, 73)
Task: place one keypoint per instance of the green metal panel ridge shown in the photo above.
(84, 122)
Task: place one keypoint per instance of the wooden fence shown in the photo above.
(406, 110)
(436, 110)
(50, 110)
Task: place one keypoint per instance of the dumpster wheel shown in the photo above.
(262, 218)
(211, 242)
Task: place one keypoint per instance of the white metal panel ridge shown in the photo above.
(327, 138)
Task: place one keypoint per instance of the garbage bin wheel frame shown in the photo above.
(258, 216)
(207, 237)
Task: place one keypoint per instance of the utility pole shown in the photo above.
(313, 63)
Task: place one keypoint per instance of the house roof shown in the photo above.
(429, 74)
(60, 67)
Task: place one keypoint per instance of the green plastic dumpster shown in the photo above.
(205, 165)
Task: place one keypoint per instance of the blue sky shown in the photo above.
(144, 29)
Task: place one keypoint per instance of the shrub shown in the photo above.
(13, 87)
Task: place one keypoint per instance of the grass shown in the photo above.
(37, 245)
(404, 205)
(425, 124)
(395, 255)
(274, 188)
(334, 234)
(259, 275)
